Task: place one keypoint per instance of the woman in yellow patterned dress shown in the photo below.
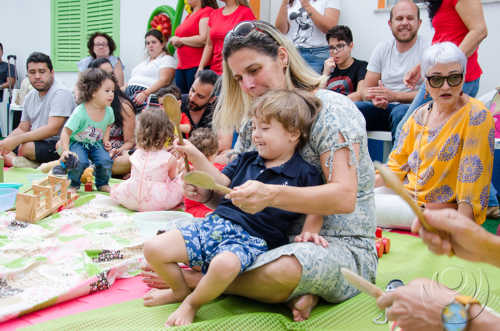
(444, 155)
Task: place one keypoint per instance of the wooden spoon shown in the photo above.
(173, 110)
(361, 284)
(204, 180)
(395, 184)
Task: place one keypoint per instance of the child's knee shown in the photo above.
(152, 249)
(226, 264)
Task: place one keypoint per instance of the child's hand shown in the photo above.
(107, 145)
(311, 237)
(65, 154)
(187, 149)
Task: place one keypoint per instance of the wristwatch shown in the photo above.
(455, 315)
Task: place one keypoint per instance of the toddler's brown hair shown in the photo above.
(153, 129)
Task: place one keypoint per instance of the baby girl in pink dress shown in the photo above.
(154, 183)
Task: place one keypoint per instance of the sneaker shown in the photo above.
(22, 162)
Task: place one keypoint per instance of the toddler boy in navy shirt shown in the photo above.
(228, 241)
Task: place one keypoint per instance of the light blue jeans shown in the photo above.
(315, 56)
(98, 155)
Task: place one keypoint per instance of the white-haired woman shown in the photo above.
(258, 58)
(445, 151)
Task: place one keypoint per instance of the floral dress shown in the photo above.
(149, 187)
(350, 236)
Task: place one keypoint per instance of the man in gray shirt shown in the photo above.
(46, 109)
(386, 97)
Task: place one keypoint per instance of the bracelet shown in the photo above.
(209, 197)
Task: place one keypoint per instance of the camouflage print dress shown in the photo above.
(350, 236)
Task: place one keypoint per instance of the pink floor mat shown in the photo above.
(122, 290)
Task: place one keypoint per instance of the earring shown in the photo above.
(461, 93)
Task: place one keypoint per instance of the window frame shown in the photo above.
(85, 8)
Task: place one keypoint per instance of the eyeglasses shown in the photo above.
(242, 30)
(338, 48)
(101, 45)
(438, 81)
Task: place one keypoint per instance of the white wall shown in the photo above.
(369, 27)
(25, 26)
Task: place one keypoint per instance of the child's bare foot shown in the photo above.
(302, 306)
(184, 315)
(105, 188)
(158, 297)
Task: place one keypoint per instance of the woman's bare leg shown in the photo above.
(121, 165)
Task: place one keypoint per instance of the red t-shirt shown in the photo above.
(220, 25)
(449, 26)
(190, 57)
(195, 208)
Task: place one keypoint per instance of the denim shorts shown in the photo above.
(214, 235)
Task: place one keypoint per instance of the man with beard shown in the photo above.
(386, 97)
(46, 109)
(199, 104)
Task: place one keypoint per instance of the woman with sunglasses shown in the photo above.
(258, 58)
(445, 151)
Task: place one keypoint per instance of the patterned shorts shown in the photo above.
(214, 235)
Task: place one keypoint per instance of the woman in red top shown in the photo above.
(190, 37)
(222, 21)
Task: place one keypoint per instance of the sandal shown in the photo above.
(493, 212)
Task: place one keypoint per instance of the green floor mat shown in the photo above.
(409, 259)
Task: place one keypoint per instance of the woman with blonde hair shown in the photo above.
(220, 22)
(258, 58)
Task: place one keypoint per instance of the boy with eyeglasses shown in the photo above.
(345, 72)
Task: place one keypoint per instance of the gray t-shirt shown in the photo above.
(58, 101)
(393, 65)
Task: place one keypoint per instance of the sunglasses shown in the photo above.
(242, 30)
(438, 81)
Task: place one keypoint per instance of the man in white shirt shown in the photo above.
(46, 109)
(386, 97)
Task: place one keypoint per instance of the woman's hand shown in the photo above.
(176, 41)
(311, 237)
(253, 196)
(140, 98)
(457, 234)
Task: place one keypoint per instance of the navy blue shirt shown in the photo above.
(270, 224)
